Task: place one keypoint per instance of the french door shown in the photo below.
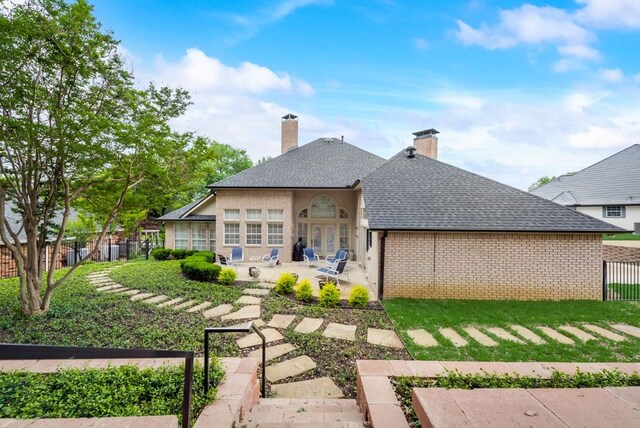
(323, 239)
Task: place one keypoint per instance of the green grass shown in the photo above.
(432, 314)
(626, 291)
(621, 237)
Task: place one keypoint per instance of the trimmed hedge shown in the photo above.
(200, 267)
(178, 254)
(161, 254)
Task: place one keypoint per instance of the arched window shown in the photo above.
(303, 213)
(323, 207)
(343, 213)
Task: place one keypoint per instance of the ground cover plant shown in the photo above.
(454, 380)
(432, 314)
(110, 392)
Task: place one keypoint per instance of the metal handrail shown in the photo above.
(246, 329)
(13, 351)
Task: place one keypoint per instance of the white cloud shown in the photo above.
(422, 44)
(610, 13)
(612, 75)
(579, 51)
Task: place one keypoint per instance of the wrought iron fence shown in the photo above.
(621, 280)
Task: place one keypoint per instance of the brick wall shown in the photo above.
(255, 199)
(493, 266)
(614, 253)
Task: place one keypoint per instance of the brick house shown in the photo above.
(417, 226)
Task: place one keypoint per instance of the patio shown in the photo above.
(357, 276)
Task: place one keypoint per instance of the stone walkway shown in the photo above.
(493, 336)
(250, 310)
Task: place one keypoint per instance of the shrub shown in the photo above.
(359, 297)
(304, 293)
(329, 295)
(227, 276)
(160, 253)
(209, 256)
(199, 269)
(191, 252)
(179, 254)
(285, 284)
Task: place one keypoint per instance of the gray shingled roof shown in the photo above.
(425, 194)
(178, 214)
(15, 221)
(322, 163)
(612, 181)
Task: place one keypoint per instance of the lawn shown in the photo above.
(432, 314)
(621, 237)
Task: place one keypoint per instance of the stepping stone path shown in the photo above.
(270, 335)
(604, 332)
(528, 334)
(184, 305)
(199, 307)
(629, 329)
(504, 334)
(387, 338)
(117, 290)
(289, 368)
(249, 300)
(140, 296)
(109, 287)
(131, 292)
(259, 292)
(582, 335)
(422, 338)
(281, 321)
(308, 325)
(480, 337)
(340, 331)
(558, 337)
(273, 351)
(246, 312)
(218, 311)
(457, 340)
(322, 387)
(170, 302)
(156, 299)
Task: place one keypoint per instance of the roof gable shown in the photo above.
(425, 194)
(322, 163)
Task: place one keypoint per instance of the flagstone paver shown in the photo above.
(218, 311)
(258, 323)
(340, 331)
(184, 305)
(157, 299)
(273, 351)
(270, 335)
(246, 312)
(455, 338)
(381, 337)
(130, 292)
(528, 334)
(289, 368)
(249, 300)
(117, 290)
(199, 307)
(109, 287)
(480, 337)
(308, 325)
(422, 338)
(629, 329)
(504, 334)
(604, 332)
(582, 335)
(170, 302)
(259, 292)
(140, 296)
(322, 387)
(559, 337)
(267, 285)
(281, 321)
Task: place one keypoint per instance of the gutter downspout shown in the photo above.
(381, 276)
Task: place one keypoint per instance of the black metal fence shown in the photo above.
(621, 280)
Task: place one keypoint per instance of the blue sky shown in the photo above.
(517, 90)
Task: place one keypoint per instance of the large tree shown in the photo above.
(71, 122)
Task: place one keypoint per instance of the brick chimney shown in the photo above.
(289, 132)
(426, 143)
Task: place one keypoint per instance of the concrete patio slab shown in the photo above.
(249, 300)
(184, 305)
(503, 334)
(140, 296)
(170, 302)
(273, 352)
(340, 331)
(258, 292)
(629, 394)
(528, 334)
(580, 334)
(453, 336)
(607, 334)
(289, 368)
(218, 311)
(322, 387)
(558, 337)
(628, 329)
(387, 338)
(422, 338)
(281, 321)
(270, 335)
(156, 299)
(480, 337)
(246, 312)
(199, 307)
(308, 325)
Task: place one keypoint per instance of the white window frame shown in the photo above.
(275, 239)
(198, 236)
(181, 236)
(613, 211)
(232, 214)
(253, 215)
(253, 238)
(231, 234)
(212, 237)
(343, 234)
(275, 215)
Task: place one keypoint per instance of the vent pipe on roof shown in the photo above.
(411, 152)
(289, 132)
(426, 143)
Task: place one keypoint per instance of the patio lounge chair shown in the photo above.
(237, 255)
(340, 255)
(334, 271)
(226, 262)
(310, 258)
(272, 258)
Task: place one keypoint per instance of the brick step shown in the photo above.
(283, 412)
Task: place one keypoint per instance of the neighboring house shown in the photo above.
(419, 227)
(608, 190)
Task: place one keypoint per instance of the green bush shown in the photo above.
(304, 293)
(191, 252)
(209, 256)
(227, 276)
(359, 297)
(285, 284)
(160, 253)
(329, 295)
(178, 254)
(198, 269)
